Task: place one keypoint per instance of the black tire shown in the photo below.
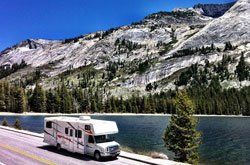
(58, 147)
(97, 155)
(115, 157)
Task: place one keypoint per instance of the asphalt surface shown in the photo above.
(21, 149)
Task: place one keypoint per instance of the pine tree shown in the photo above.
(7, 96)
(17, 124)
(38, 99)
(98, 99)
(57, 102)
(5, 123)
(66, 100)
(85, 101)
(108, 106)
(215, 84)
(122, 107)
(21, 101)
(181, 136)
(113, 104)
(93, 106)
(228, 46)
(2, 98)
(50, 102)
(78, 95)
(152, 104)
(242, 70)
(128, 107)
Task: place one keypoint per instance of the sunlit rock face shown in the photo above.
(213, 10)
(157, 37)
(98, 48)
(233, 26)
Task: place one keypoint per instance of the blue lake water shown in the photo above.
(226, 140)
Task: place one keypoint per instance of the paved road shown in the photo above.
(21, 149)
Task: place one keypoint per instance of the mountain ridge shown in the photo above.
(214, 10)
(144, 52)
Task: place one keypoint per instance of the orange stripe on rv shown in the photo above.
(60, 136)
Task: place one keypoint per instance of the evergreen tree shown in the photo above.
(129, 108)
(21, 101)
(228, 46)
(66, 100)
(78, 95)
(2, 98)
(17, 124)
(215, 84)
(181, 136)
(122, 107)
(93, 106)
(5, 123)
(108, 106)
(85, 102)
(111, 69)
(113, 105)
(149, 87)
(50, 102)
(152, 104)
(57, 102)
(7, 96)
(242, 70)
(38, 99)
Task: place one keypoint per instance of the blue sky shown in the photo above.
(60, 19)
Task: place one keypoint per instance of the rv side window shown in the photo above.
(76, 133)
(71, 132)
(66, 131)
(79, 134)
(48, 124)
(87, 127)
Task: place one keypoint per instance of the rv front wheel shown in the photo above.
(97, 155)
(58, 147)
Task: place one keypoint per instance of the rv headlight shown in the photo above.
(101, 149)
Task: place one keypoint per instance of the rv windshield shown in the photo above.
(103, 139)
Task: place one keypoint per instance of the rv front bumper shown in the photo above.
(108, 154)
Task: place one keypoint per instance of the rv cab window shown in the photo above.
(48, 124)
(66, 131)
(91, 139)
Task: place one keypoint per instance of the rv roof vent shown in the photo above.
(85, 118)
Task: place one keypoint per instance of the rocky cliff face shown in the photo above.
(232, 26)
(146, 38)
(147, 51)
(214, 10)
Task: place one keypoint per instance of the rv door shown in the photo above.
(55, 130)
(71, 140)
(90, 146)
(79, 141)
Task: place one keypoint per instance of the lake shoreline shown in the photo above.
(221, 136)
(104, 114)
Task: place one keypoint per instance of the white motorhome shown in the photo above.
(82, 135)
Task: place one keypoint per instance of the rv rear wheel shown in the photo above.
(97, 155)
(58, 147)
